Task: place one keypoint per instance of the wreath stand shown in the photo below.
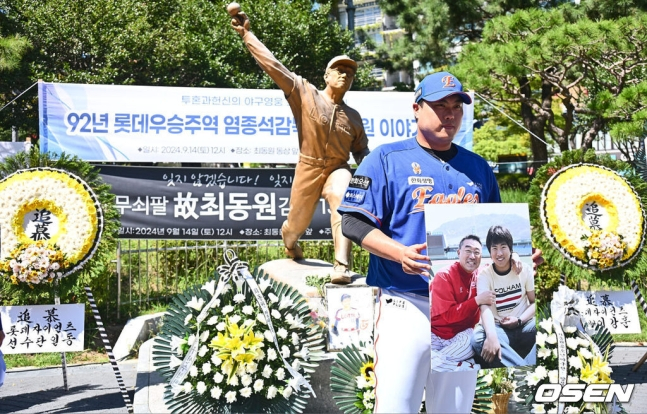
(640, 299)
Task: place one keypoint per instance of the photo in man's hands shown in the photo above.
(482, 293)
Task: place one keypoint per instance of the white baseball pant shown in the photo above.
(403, 361)
(448, 355)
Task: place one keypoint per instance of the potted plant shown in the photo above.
(500, 380)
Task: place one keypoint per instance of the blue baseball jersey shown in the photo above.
(393, 184)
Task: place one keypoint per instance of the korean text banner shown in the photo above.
(179, 124)
(206, 203)
(43, 328)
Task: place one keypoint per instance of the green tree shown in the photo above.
(492, 140)
(533, 59)
(172, 42)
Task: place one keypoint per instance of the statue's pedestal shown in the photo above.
(294, 272)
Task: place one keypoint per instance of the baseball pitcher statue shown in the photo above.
(328, 130)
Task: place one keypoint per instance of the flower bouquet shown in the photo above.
(229, 356)
(34, 263)
(566, 354)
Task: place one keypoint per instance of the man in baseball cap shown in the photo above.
(342, 60)
(440, 85)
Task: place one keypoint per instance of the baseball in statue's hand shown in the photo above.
(233, 9)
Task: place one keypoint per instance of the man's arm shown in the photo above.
(444, 305)
(491, 346)
(409, 257)
(283, 78)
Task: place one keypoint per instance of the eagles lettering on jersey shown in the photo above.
(425, 195)
(508, 298)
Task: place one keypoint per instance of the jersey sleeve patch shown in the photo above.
(360, 181)
(354, 196)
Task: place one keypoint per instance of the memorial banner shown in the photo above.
(43, 328)
(206, 203)
(615, 310)
(179, 124)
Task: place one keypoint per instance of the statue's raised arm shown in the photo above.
(328, 131)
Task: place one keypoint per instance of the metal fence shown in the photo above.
(150, 272)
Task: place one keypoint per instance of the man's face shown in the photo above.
(439, 121)
(346, 303)
(469, 255)
(500, 254)
(340, 77)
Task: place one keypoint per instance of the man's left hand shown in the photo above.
(515, 261)
(537, 259)
(509, 322)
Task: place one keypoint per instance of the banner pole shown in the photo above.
(57, 301)
(106, 345)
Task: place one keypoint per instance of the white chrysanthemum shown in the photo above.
(296, 364)
(572, 343)
(248, 322)
(246, 392)
(273, 297)
(213, 320)
(285, 352)
(271, 392)
(261, 318)
(551, 339)
(239, 298)
(538, 408)
(221, 326)
(271, 354)
(230, 396)
(295, 338)
(235, 319)
(543, 353)
(248, 310)
(541, 339)
(218, 377)
(268, 335)
(206, 367)
(280, 374)
(553, 376)
(193, 371)
(570, 329)
(225, 310)
(287, 392)
(251, 367)
(276, 314)
(203, 351)
(267, 371)
(282, 333)
(187, 387)
(575, 362)
(586, 353)
(204, 336)
(201, 387)
(246, 380)
(234, 380)
(191, 339)
(216, 392)
(258, 385)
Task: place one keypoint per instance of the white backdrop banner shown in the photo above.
(178, 124)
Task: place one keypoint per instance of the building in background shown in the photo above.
(379, 27)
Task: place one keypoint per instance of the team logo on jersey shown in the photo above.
(355, 197)
(360, 181)
(416, 168)
(425, 195)
(413, 180)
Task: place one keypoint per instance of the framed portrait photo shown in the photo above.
(350, 316)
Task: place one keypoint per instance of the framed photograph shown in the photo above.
(350, 315)
(482, 282)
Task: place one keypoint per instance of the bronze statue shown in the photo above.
(328, 131)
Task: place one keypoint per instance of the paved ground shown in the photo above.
(93, 388)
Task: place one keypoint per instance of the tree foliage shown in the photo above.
(491, 141)
(531, 59)
(171, 42)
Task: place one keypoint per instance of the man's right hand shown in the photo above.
(240, 23)
(414, 263)
(491, 349)
(486, 298)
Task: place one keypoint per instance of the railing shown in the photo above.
(152, 271)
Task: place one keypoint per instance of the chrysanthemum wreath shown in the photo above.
(591, 211)
(245, 345)
(50, 225)
(567, 355)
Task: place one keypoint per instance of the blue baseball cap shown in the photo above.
(345, 296)
(438, 85)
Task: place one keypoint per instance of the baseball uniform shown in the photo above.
(390, 188)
